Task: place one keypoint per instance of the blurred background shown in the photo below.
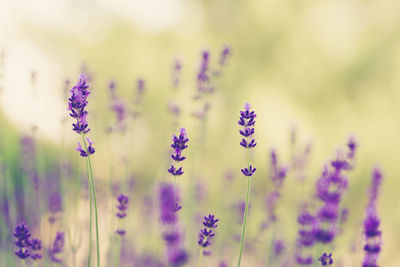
(322, 69)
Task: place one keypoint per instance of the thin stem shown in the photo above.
(119, 241)
(200, 256)
(23, 263)
(90, 210)
(246, 209)
(94, 201)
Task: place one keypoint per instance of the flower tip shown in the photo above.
(247, 106)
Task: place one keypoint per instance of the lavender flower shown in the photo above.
(203, 77)
(122, 207)
(326, 259)
(373, 235)
(23, 243)
(168, 198)
(140, 88)
(90, 149)
(247, 121)
(225, 53)
(177, 257)
(206, 234)
(176, 72)
(36, 246)
(77, 104)
(57, 247)
(178, 145)
(306, 237)
(119, 107)
(330, 188)
(279, 246)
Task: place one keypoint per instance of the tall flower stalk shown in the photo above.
(373, 235)
(205, 236)
(76, 106)
(247, 121)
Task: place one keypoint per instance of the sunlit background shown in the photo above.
(327, 69)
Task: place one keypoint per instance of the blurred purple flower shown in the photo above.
(326, 259)
(122, 207)
(56, 248)
(373, 235)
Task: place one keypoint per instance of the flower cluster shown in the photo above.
(76, 105)
(206, 234)
(22, 233)
(172, 236)
(225, 53)
(326, 259)
(330, 188)
(278, 174)
(90, 149)
(247, 120)
(118, 106)
(176, 72)
(57, 247)
(373, 235)
(122, 207)
(178, 145)
(305, 239)
(26, 246)
(203, 78)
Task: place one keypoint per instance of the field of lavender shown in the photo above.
(199, 133)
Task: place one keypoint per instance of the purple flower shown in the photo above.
(178, 145)
(172, 238)
(203, 77)
(248, 171)
(225, 53)
(326, 259)
(36, 246)
(22, 233)
(306, 236)
(247, 121)
(177, 257)
(57, 247)
(168, 204)
(77, 104)
(176, 72)
(210, 222)
(279, 246)
(207, 233)
(375, 183)
(304, 260)
(23, 242)
(140, 88)
(122, 207)
(278, 173)
(373, 234)
(90, 149)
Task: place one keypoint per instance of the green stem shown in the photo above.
(23, 263)
(119, 240)
(200, 256)
(245, 211)
(90, 209)
(93, 192)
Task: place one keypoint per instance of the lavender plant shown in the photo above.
(373, 235)
(77, 107)
(326, 259)
(205, 236)
(247, 121)
(57, 248)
